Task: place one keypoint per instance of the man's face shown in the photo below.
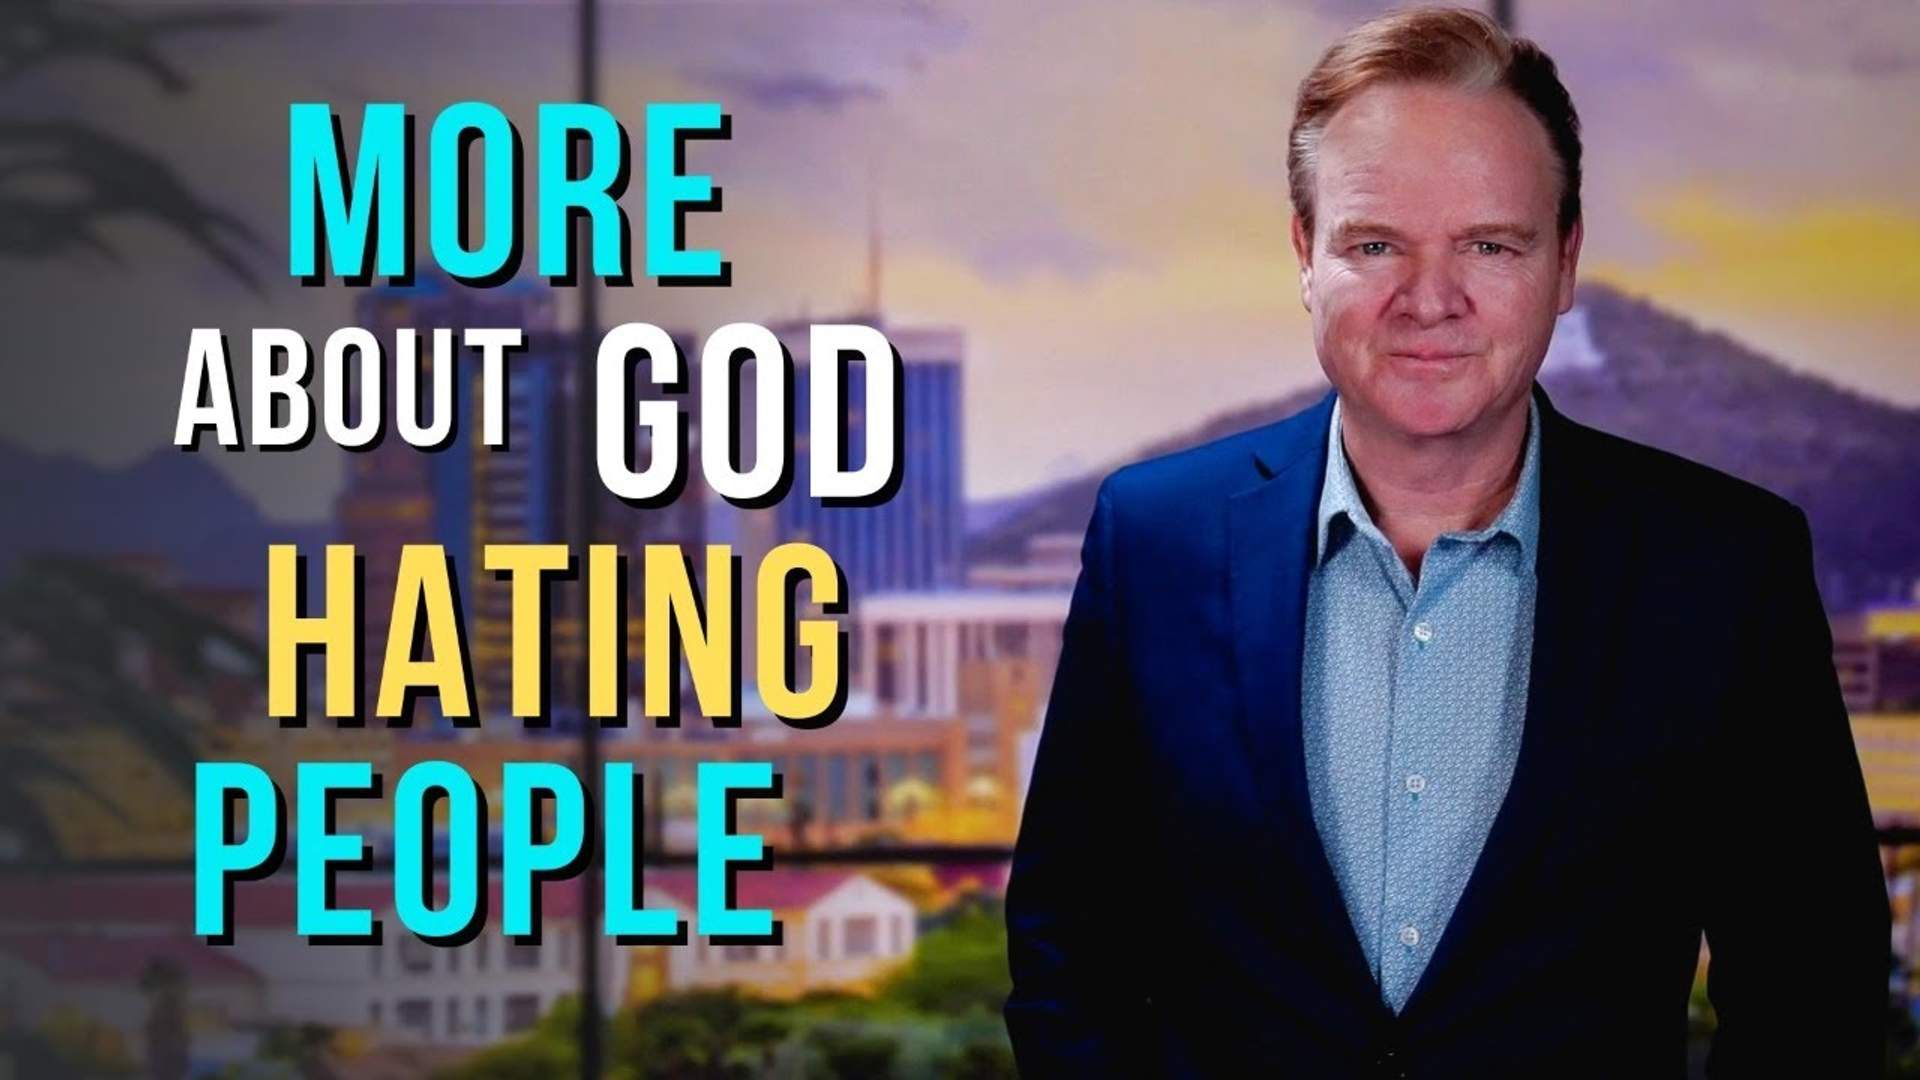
(1435, 271)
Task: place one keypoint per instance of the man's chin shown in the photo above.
(1429, 410)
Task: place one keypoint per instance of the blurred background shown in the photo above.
(1070, 218)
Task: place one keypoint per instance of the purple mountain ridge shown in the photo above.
(169, 503)
(1623, 365)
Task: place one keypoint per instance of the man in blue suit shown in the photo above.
(1427, 732)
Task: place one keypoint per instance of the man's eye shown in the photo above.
(1489, 247)
(1372, 247)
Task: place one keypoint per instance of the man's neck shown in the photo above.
(1418, 488)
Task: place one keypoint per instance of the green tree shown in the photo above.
(165, 985)
(22, 769)
(701, 1035)
(301, 1047)
(982, 1060)
(956, 968)
(851, 1053)
(535, 1056)
(66, 625)
(63, 178)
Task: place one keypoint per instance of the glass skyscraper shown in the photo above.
(912, 542)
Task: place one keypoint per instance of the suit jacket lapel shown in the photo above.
(1573, 629)
(1271, 537)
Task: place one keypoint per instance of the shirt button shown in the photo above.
(1422, 632)
(1416, 783)
(1409, 936)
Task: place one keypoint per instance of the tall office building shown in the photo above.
(512, 495)
(912, 542)
(468, 495)
(397, 494)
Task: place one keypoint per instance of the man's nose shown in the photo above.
(1432, 292)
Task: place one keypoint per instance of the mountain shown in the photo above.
(169, 503)
(1621, 364)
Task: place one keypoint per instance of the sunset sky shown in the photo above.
(1095, 192)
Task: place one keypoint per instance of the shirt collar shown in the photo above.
(1340, 496)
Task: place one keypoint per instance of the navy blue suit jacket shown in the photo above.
(1686, 767)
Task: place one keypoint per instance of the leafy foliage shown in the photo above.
(960, 967)
(935, 1019)
(67, 629)
(61, 179)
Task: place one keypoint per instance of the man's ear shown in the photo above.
(1303, 252)
(1569, 262)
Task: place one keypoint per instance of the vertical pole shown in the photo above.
(583, 416)
(1503, 14)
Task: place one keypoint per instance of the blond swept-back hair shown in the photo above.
(1448, 46)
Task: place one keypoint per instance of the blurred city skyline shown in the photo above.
(1095, 196)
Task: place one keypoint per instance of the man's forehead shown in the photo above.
(1401, 134)
(1433, 108)
(1406, 183)
(1435, 152)
(1399, 192)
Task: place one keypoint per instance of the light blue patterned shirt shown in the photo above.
(1412, 702)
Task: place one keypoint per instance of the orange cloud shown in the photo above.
(1825, 285)
(1821, 259)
